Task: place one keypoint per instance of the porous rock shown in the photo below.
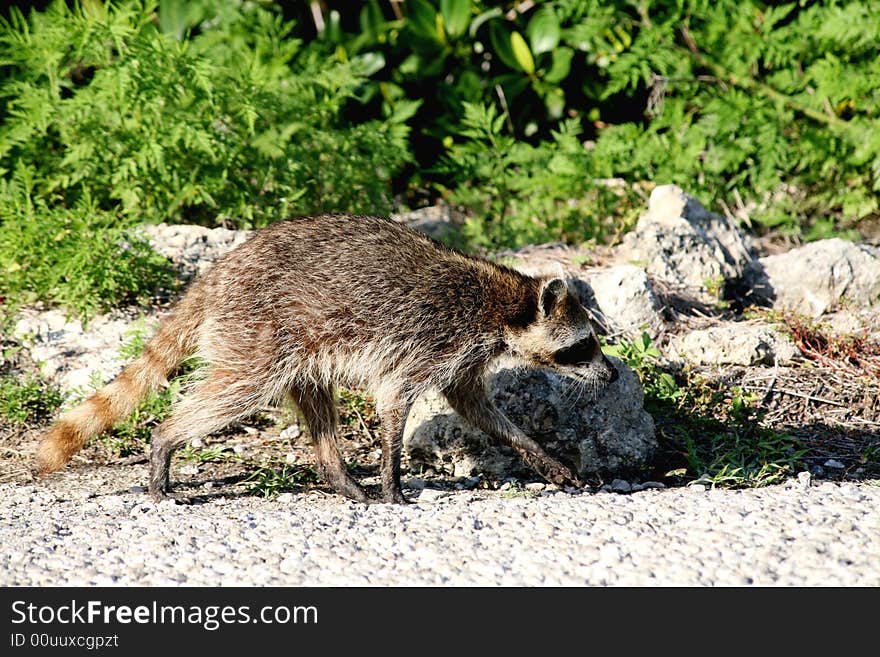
(76, 356)
(621, 297)
(611, 434)
(624, 297)
(860, 322)
(436, 221)
(739, 343)
(192, 249)
(680, 242)
(819, 277)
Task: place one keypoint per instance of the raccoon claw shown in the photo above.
(561, 476)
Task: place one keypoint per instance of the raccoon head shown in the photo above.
(562, 337)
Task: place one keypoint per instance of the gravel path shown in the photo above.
(79, 528)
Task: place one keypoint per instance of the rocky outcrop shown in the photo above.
(820, 277)
(735, 343)
(75, 356)
(193, 249)
(621, 297)
(681, 243)
(625, 299)
(608, 434)
(437, 221)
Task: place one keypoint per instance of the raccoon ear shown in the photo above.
(553, 292)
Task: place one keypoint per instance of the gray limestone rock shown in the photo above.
(625, 298)
(862, 322)
(193, 249)
(612, 434)
(739, 343)
(75, 356)
(680, 242)
(819, 277)
(621, 297)
(437, 221)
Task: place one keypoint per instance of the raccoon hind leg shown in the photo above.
(216, 401)
(318, 407)
(393, 406)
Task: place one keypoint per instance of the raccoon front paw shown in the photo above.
(558, 474)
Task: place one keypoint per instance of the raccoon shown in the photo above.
(311, 303)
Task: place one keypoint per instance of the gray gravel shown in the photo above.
(79, 528)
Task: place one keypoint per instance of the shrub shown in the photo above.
(27, 399)
(518, 194)
(107, 122)
(774, 103)
(102, 105)
(78, 257)
(779, 102)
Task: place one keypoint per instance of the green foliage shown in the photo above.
(449, 52)
(101, 105)
(518, 193)
(641, 355)
(756, 98)
(776, 103)
(713, 431)
(106, 122)
(357, 411)
(724, 441)
(27, 399)
(78, 257)
(136, 338)
(269, 482)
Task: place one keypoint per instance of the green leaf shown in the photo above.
(371, 20)
(97, 10)
(560, 65)
(368, 64)
(422, 19)
(404, 110)
(500, 38)
(410, 65)
(176, 17)
(543, 31)
(333, 27)
(522, 53)
(456, 16)
(555, 103)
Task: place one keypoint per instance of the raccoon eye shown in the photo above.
(579, 353)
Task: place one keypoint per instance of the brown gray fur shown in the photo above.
(311, 303)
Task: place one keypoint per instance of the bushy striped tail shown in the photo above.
(174, 342)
